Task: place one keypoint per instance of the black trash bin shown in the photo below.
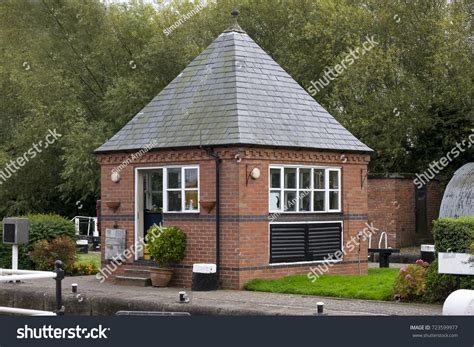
(204, 277)
(427, 253)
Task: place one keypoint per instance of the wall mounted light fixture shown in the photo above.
(115, 176)
(254, 173)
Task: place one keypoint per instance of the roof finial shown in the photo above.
(235, 14)
(235, 25)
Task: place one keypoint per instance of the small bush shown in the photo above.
(82, 269)
(410, 283)
(42, 227)
(167, 245)
(439, 286)
(45, 253)
(48, 227)
(453, 234)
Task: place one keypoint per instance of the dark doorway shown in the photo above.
(420, 210)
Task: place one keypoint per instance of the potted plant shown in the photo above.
(167, 246)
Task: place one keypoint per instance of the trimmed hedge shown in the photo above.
(454, 234)
(42, 227)
(451, 235)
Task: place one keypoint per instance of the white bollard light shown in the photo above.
(459, 303)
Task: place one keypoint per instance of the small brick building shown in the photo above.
(401, 210)
(291, 180)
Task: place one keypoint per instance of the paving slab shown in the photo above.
(107, 298)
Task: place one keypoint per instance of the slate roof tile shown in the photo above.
(233, 93)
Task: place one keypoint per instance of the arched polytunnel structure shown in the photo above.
(458, 199)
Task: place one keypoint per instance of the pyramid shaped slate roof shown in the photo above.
(233, 93)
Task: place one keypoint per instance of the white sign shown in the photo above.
(456, 263)
(427, 248)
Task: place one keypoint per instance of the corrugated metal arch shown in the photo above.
(458, 198)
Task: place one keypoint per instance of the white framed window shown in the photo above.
(301, 189)
(181, 189)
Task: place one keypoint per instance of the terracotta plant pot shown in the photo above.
(160, 277)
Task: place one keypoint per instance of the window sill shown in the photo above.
(304, 212)
(181, 212)
(307, 262)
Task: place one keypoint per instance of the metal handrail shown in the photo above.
(382, 234)
(13, 275)
(11, 278)
(26, 312)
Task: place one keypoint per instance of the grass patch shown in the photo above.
(377, 285)
(89, 258)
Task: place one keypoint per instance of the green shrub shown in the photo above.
(45, 253)
(438, 286)
(410, 283)
(453, 234)
(42, 227)
(166, 244)
(48, 227)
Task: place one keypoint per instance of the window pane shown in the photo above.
(174, 201)
(275, 200)
(334, 200)
(318, 179)
(157, 181)
(275, 178)
(156, 200)
(191, 202)
(290, 178)
(318, 203)
(305, 201)
(191, 178)
(334, 179)
(305, 178)
(290, 201)
(174, 178)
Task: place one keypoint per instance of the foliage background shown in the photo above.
(86, 67)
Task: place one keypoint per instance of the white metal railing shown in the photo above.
(10, 275)
(14, 275)
(26, 312)
(382, 235)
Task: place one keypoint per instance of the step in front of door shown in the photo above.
(133, 281)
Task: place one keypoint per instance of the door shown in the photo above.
(420, 210)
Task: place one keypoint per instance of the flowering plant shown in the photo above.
(410, 283)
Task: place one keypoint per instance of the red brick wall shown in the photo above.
(392, 209)
(244, 208)
(434, 196)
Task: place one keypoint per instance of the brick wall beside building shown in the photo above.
(392, 209)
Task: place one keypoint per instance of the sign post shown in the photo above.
(15, 232)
